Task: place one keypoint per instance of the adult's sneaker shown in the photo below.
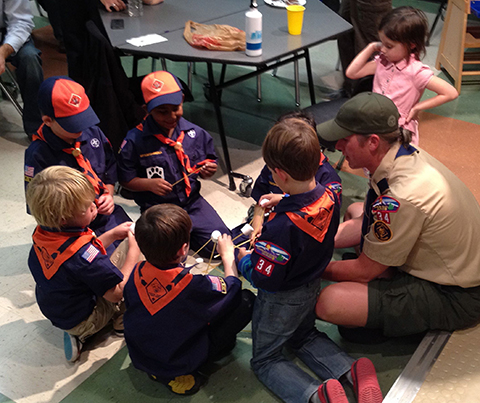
(365, 382)
(331, 391)
(72, 347)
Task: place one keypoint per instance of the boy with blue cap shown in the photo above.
(161, 159)
(69, 136)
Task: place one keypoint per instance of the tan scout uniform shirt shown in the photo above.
(427, 222)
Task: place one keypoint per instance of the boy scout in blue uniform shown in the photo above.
(175, 321)
(77, 287)
(69, 136)
(286, 264)
(160, 160)
(326, 175)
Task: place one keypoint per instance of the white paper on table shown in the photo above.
(146, 40)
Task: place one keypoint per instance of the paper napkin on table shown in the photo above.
(146, 40)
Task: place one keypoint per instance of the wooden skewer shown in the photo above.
(191, 173)
(203, 246)
(211, 257)
(235, 246)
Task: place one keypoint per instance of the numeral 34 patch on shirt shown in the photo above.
(264, 267)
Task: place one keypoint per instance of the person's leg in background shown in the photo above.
(365, 16)
(74, 15)
(54, 16)
(29, 74)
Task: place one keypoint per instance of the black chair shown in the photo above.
(10, 90)
(325, 111)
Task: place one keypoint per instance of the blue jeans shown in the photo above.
(29, 74)
(287, 319)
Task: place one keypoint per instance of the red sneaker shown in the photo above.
(331, 391)
(365, 382)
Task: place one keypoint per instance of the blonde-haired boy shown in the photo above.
(77, 287)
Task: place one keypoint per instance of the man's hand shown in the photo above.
(159, 186)
(113, 5)
(5, 51)
(208, 170)
(105, 204)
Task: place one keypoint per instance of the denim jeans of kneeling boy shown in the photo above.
(287, 318)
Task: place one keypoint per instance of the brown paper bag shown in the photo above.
(214, 37)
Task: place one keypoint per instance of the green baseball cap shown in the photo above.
(365, 113)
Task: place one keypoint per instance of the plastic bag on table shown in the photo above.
(214, 37)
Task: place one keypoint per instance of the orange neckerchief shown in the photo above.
(157, 288)
(55, 248)
(315, 218)
(183, 158)
(83, 163)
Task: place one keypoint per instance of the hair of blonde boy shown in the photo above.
(57, 194)
(407, 25)
(161, 231)
(292, 145)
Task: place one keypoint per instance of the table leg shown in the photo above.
(297, 84)
(310, 77)
(221, 129)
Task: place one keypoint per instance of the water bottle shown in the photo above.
(135, 8)
(253, 30)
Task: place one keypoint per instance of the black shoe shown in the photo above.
(362, 335)
(184, 384)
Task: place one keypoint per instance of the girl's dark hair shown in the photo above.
(406, 25)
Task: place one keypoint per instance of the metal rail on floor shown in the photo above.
(412, 377)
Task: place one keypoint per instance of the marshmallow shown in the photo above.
(132, 228)
(199, 260)
(215, 235)
(247, 230)
(263, 202)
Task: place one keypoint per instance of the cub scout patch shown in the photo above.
(155, 290)
(155, 172)
(29, 172)
(272, 252)
(95, 143)
(385, 203)
(382, 231)
(218, 284)
(191, 133)
(335, 187)
(90, 253)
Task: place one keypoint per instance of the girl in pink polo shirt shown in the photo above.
(398, 72)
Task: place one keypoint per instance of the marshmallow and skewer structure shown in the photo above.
(263, 202)
(214, 238)
(246, 230)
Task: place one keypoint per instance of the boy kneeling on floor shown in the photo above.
(176, 321)
(78, 288)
